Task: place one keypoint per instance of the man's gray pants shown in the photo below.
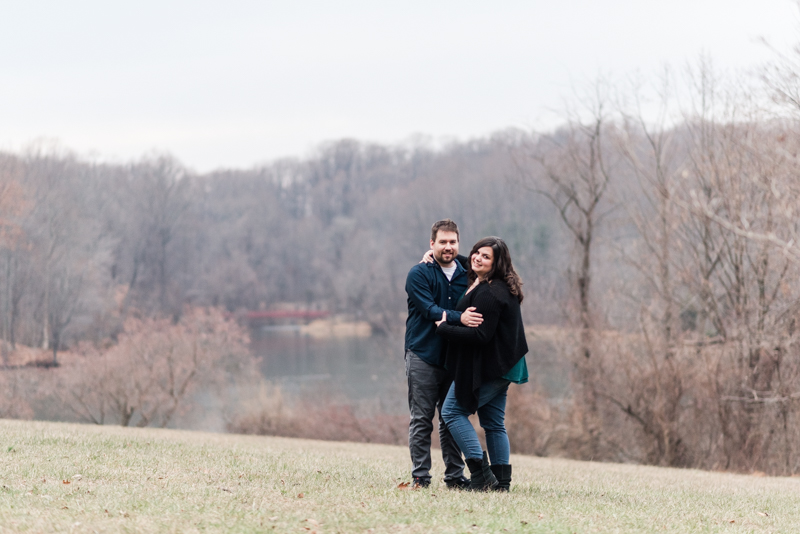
(427, 388)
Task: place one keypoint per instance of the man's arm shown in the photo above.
(468, 317)
(420, 294)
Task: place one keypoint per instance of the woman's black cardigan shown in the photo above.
(479, 355)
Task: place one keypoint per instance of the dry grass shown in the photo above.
(72, 478)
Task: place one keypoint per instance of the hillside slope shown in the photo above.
(72, 478)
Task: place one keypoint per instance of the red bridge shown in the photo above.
(266, 315)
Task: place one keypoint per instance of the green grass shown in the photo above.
(145, 480)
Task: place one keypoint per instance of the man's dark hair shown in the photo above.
(446, 225)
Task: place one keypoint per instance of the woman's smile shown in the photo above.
(482, 261)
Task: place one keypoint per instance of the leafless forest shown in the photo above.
(656, 232)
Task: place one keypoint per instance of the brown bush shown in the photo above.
(154, 370)
(14, 395)
(326, 417)
(709, 404)
(535, 424)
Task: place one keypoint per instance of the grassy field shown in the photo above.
(73, 478)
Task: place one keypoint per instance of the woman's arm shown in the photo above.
(488, 305)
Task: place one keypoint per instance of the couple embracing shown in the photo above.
(465, 343)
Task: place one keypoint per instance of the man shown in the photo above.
(433, 288)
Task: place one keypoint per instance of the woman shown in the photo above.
(484, 361)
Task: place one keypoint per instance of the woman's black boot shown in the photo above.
(481, 477)
(503, 475)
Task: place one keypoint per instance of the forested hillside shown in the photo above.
(338, 231)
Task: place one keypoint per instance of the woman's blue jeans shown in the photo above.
(491, 414)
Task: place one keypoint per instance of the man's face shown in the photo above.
(445, 247)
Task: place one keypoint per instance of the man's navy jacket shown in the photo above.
(429, 294)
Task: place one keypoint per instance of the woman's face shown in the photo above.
(482, 261)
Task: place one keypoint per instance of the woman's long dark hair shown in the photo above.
(501, 265)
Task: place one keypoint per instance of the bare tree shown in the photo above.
(571, 168)
(66, 243)
(653, 370)
(737, 167)
(13, 205)
(155, 204)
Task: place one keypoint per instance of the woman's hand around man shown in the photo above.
(469, 317)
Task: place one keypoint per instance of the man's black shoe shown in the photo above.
(420, 482)
(459, 483)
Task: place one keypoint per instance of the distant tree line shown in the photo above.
(84, 243)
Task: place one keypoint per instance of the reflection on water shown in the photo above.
(367, 373)
(368, 369)
(359, 369)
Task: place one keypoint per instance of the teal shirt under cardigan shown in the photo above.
(519, 373)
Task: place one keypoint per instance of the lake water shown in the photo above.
(354, 369)
(368, 369)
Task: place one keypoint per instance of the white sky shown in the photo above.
(237, 83)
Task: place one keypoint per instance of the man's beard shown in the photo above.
(441, 257)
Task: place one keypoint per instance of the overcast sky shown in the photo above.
(238, 83)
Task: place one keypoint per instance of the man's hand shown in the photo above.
(471, 318)
(443, 319)
(427, 257)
